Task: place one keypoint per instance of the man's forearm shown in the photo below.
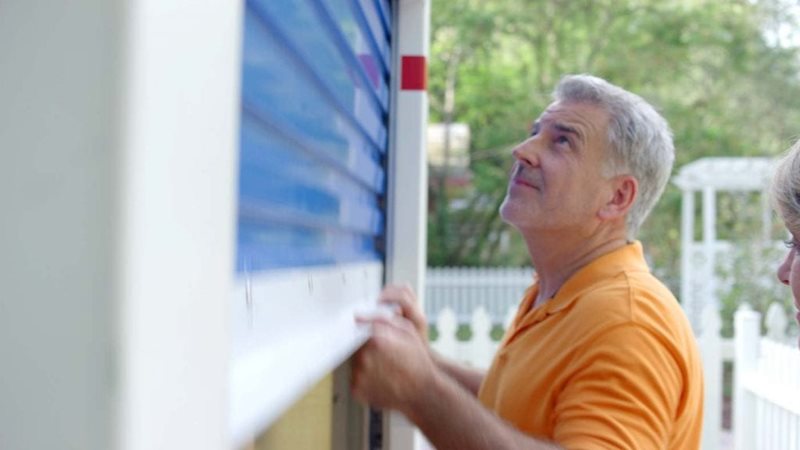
(469, 378)
(452, 419)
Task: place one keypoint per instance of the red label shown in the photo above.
(414, 74)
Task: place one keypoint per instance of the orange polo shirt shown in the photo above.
(609, 362)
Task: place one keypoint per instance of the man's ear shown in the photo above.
(625, 188)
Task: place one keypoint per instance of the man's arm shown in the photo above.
(395, 371)
(469, 378)
(403, 298)
(451, 418)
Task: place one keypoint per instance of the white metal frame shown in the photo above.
(290, 327)
(406, 256)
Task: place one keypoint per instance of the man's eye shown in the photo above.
(790, 243)
(562, 140)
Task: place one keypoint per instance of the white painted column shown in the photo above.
(176, 212)
(687, 240)
(766, 216)
(405, 259)
(709, 250)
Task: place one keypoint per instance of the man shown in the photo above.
(600, 354)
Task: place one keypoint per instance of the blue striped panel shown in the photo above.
(367, 36)
(374, 17)
(386, 15)
(313, 137)
(353, 40)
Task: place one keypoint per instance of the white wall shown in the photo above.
(118, 125)
(57, 132)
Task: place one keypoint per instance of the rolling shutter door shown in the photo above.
(311, 221)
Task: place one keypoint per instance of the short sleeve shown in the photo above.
(622, 393)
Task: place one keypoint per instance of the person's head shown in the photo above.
(621, 143)
(785, 194)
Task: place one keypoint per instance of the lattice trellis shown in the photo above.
(710, 176)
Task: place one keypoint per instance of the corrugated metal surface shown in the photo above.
(314, 133)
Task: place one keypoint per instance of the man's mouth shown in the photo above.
(522, 178)
(520, 181)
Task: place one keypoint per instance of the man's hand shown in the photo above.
(403, 297)
(394, 367)
(394, 370)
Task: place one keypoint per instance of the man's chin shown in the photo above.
(511, 215)
(509, 211)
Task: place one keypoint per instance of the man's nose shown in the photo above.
(784, 270)
(527, 152)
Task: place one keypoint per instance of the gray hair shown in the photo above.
(639, 139)
(785, 190)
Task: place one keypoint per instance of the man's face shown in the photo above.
(556, 181)
(789, 272)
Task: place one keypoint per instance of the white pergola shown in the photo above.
(698, 258)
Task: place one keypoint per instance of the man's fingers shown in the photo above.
(403, 296)
(399, 295)
(372, 319)
(380, 323)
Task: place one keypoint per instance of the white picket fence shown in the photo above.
(766, 369)
(766, 383)
(479, 349)
(463, 289)
(479, 297)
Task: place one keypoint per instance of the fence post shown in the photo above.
(446, 325)
(747, 335)
(510, 315)
(481, 347)
(776, 322)
(711, 350)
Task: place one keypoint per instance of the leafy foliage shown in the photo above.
(723, 73)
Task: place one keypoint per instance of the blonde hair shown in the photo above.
(785, 190)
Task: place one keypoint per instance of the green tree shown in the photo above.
(716, 70)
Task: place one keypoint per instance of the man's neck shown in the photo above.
(557, 258)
